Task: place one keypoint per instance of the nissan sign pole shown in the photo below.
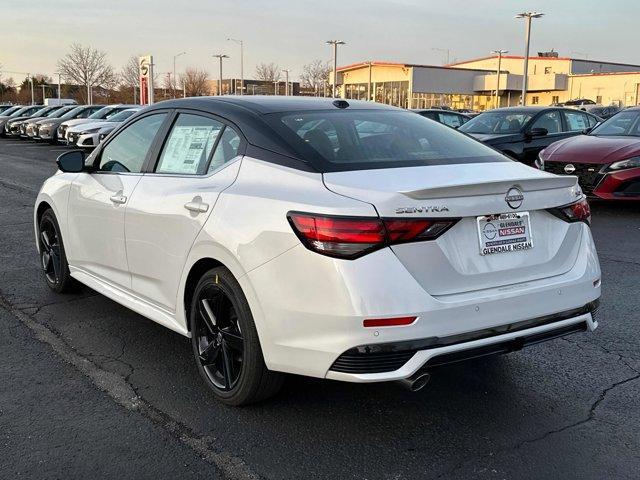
(146, 79)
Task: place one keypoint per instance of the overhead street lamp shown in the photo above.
(335, 44)
(527, 16)
(220, 56)
(173, 87)
(241, 43)
(499, 53)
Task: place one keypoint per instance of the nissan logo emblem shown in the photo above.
(514, 197)
(569, 168)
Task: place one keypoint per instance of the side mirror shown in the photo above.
(538, 132)
(71, 162)
(587, 130)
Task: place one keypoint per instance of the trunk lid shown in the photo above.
(453, 263)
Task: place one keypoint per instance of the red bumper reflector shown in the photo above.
(388, 322)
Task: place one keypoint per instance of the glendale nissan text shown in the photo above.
(337, 239)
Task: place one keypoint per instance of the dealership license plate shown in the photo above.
(506, 232)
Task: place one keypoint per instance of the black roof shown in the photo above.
(247, 113)
(263, 104)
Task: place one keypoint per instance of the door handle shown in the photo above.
(118, 199)
(197, 207)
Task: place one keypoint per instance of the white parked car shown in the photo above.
(105, 112)
(87, 135)
(344, 240)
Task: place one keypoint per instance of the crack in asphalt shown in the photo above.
(617, 260)
(591, 415)
(20, 187)
(126, 394)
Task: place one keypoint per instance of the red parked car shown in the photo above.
(606, 160)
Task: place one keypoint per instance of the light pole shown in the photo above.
(499, 53)
(286, 80)
(444, 50)
(527, 16)
(220, 56)
(335, 44)
(241, 43)
(173, 88)
(33, 101)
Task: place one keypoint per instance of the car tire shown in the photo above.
(52, 254)
(225, 342)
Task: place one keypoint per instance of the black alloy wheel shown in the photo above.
(50, 251)
(52, 254)
(219, 337)
(225, 342)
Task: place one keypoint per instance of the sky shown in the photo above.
(35, 34)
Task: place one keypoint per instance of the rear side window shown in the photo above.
(128, 150)
(226, 149)
(360, 139)
(189, 145)
(576, 121)
(451, 119)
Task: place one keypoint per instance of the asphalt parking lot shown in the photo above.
(91, 388)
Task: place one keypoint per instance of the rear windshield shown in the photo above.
(363, 139)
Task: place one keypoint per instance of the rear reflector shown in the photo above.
(388, 322)
(352, 237)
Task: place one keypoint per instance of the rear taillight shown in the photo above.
(574, 212)
(352, 237)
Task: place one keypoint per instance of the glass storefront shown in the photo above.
(451, 100)
(390, 93)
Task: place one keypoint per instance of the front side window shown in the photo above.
(360, 139)
(128, 150)
(576, 121)
(549, 121)
(189, 145)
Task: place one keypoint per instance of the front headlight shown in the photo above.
(91, 130)
(633, 162)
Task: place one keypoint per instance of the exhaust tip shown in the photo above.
(415, 382)
(419, 382)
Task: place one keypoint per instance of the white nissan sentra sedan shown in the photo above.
(337, 239)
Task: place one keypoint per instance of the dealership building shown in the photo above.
(472, 84)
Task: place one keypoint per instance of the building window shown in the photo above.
(599, 99)
(535, 100)
(555, 99)
(547, 70)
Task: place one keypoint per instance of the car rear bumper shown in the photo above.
(309, 317)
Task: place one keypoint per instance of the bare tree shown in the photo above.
(86, 66)
(316, 75)
(130, 73)
(270, 72)
(195, 81)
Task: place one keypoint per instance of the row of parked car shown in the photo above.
(604, 154)
(566, 140)
(81, 125)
